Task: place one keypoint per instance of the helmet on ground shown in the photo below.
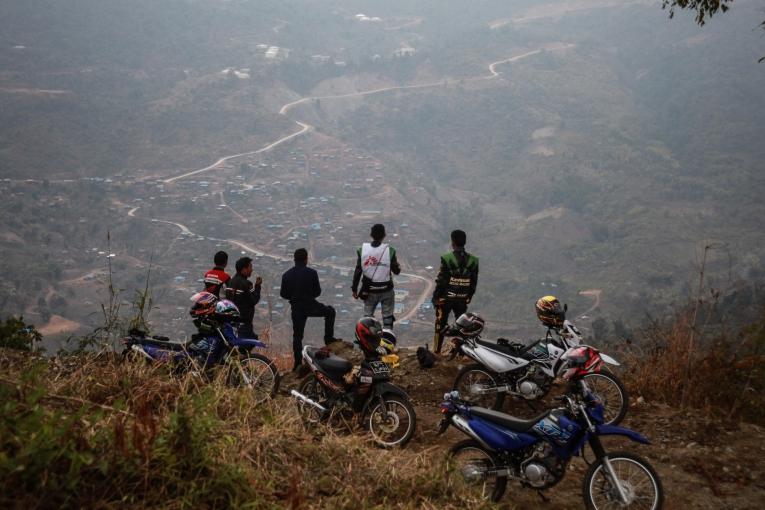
(550, 312)
(204, 304)
(388, 341)
(226, 309)
(470, 324)
(368, 334)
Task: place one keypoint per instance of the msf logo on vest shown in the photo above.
(372, 261)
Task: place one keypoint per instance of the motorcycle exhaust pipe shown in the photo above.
(137, 348)
(307, 400)
(480, 390)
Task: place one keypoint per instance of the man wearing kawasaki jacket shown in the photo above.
(455, 285)
(375, 262)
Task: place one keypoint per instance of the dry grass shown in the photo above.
(91, 431)
(724, 375)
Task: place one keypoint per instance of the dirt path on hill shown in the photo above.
(595, 295)
(305, 128)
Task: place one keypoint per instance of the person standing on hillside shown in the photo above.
(375, 262)
(245, 295)
(217, 277)
(300, 286)
(455, 285)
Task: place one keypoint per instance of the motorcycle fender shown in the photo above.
(383, 389)
(608, 359)
(613, 430)
(495, 361)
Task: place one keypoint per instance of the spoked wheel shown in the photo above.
(311, 388)
(391, 423)
(257, 373)
(610, 390)
(638, 488)
(469, 471)
(475, 385)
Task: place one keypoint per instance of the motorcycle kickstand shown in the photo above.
(544, 498)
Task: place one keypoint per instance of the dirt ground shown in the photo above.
(703, 463)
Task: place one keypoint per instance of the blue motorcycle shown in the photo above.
(536, 452)
(218, 346)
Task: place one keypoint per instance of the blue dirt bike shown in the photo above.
(219, 347)
(536, 452)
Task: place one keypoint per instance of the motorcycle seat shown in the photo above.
(516, 350)
(165, 343)
(333, 365)
(505, 420)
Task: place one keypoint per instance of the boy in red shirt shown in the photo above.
(216, 277)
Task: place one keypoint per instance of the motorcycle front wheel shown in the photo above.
(474, 383)
(256, 372)
(391, 421)
(638, 481)
(469, 468)
(612, 394)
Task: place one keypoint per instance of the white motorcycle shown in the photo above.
(527, 372)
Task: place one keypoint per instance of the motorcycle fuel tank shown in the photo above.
(498, 437)
(493, 360)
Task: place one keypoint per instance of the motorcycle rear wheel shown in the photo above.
(392, 426)
(311, 388)
(467, 463)
(474, 377)
(637, 477)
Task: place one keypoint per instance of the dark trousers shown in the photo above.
(246, 330)
(300, 314)
(442, 319)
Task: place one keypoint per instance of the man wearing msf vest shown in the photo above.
(374, 264)
(455, 285)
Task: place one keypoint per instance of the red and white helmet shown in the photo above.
(581, 361)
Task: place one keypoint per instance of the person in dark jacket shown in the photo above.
(455, 285)
(217, 277)
(245, 295)
(300, 286)
(375, 262)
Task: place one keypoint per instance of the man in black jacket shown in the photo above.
(245, 295)
(300, 286)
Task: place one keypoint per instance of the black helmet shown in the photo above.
(368, 334)
(470, 324)
(550, 311)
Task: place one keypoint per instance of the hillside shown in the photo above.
(562, 136)
(89, 431)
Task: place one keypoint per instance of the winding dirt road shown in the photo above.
(305, 128)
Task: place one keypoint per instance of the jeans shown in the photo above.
(386, 300)
(300, 314)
